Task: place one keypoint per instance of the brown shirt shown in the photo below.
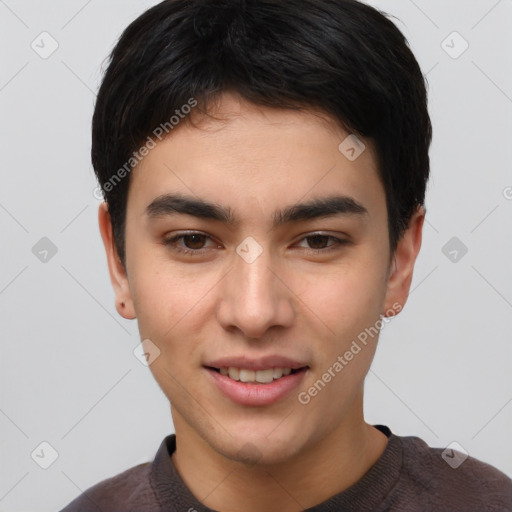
(408, 477)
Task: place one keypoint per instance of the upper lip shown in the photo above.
(262, 363)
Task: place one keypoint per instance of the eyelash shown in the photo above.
(172, 242)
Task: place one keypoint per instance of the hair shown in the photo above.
(341, 57)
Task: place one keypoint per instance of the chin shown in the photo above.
(260, 450)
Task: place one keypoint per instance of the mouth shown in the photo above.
(261, 386)
(266, 376)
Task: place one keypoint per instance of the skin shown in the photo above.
(290, 301)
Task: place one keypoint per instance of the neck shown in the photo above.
(318, 472)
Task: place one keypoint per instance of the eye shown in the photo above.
(189, 243)
(319, 242)
(196, 243)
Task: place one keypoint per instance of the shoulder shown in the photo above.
(128, 490)
(450, 480)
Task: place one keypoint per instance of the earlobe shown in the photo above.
(118, 275)
(402, 265)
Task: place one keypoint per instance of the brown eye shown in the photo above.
(318, 241)
(194, 241)
(192, 244)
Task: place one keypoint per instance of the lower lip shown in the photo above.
(246, 393)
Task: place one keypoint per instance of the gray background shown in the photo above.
(68, 373)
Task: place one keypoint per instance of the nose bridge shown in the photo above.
(255, 281)
(254, 300)
(255, 286)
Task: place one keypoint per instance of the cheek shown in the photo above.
(349, 303)
(171, 303)
(162, 292)
(167, 308)
(347, 298)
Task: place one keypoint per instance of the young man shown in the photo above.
(264, 166)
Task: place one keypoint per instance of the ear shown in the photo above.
(402, 264)
(118, 275)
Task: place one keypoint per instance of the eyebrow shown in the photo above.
(172, 204)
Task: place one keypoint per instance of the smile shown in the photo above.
(260, 376)
(260, 387)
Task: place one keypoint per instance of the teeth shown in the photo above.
(247, 375)
(260, 376)
(265, 376)
(234, 373)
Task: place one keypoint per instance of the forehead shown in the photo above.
(248, 156)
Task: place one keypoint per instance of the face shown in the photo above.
(255, 248)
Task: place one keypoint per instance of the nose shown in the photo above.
(255, 298)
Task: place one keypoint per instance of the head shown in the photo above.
(264, 166)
